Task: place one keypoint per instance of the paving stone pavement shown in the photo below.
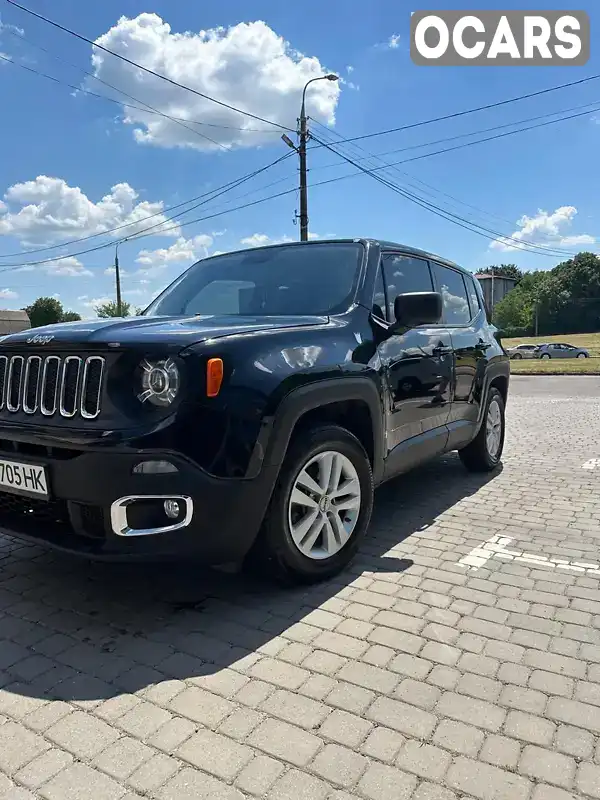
(412, 675)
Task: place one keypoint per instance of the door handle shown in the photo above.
(483, 345)
(441, 350)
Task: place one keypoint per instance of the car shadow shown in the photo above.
(85, 632)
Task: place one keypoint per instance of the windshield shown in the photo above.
(271, 281)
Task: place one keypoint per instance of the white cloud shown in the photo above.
(247, 66)
(95, 301)
(8, 294)
(546, 229)
(47, 210)
(182, 251)
(69, 267)
(261, 239)
(394, 41)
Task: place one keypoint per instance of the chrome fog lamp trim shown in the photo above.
(118, 514)
(154, 466)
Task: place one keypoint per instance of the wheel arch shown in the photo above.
(354, 403)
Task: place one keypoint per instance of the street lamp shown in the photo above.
(303, 132)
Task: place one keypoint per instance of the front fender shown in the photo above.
(277, 429)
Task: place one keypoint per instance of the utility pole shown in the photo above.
(303, 134)
(118, 280)
(303, 137)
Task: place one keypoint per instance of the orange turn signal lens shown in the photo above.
(214, 376)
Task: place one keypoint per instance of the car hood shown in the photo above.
(182, 331)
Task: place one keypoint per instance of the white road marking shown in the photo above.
(496, 547)
(593, 463)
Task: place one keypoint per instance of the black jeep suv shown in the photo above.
(252, 409)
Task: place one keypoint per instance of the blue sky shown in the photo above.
(55, 141)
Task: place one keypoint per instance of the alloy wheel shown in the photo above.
(493, 429)
(324, 505)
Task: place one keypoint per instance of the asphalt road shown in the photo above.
(459, 657)
(555, 386)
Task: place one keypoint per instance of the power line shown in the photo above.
(457, 114)
(151, 110)
(148, 110)
(376, 157)
(591, 106)
(361, 170)
(451, 217)
(145, 69)
(220, 190)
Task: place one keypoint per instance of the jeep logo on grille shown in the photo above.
(40, 338)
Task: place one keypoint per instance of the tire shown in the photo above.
(477, 456)
(581, 355)
(517, 356)
(275, 551)
(545, 355)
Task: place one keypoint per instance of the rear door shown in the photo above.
(417, 364)
(464, 317)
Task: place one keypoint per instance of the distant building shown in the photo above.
(13, 322)
(502, 286)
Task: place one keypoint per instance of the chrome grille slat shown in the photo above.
(68, 402)
(91, 388)
(64, 385)
(3, 382)
(15, 385)
(47, 384)
(31, 384)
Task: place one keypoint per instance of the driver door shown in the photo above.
(418, 371)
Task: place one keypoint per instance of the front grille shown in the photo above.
(42, 511)
(52, 384)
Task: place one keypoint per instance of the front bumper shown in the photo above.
(222, 517)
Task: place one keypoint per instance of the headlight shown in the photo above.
(160, 382)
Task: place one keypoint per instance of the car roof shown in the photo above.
(415, 251)
(382, 243)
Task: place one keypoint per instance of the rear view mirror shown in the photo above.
(417, 308)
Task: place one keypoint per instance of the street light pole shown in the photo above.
(303, 134)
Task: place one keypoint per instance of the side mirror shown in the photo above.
(417, 308)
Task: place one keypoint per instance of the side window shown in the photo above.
(404, 273)
(454, 295)
(473, 296)
(379, 303)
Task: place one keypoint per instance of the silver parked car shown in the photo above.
(522, 351)
(556, 350)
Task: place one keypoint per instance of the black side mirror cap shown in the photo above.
(417, 308)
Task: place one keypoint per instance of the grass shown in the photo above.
(591, 341)
(575, 366)
(558, 366)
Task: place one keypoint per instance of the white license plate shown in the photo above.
(27, 479)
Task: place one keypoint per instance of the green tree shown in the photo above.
(48, 311)
(110, 309)
(70, 316)
(518, 308)
(502, 271)
(570, 298)
(515, 310)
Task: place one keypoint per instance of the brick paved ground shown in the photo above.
(410, 677)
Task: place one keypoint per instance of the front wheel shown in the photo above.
(320, 509)
(483, 454)
(581, 355)
(517, 356)
(545, 355)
